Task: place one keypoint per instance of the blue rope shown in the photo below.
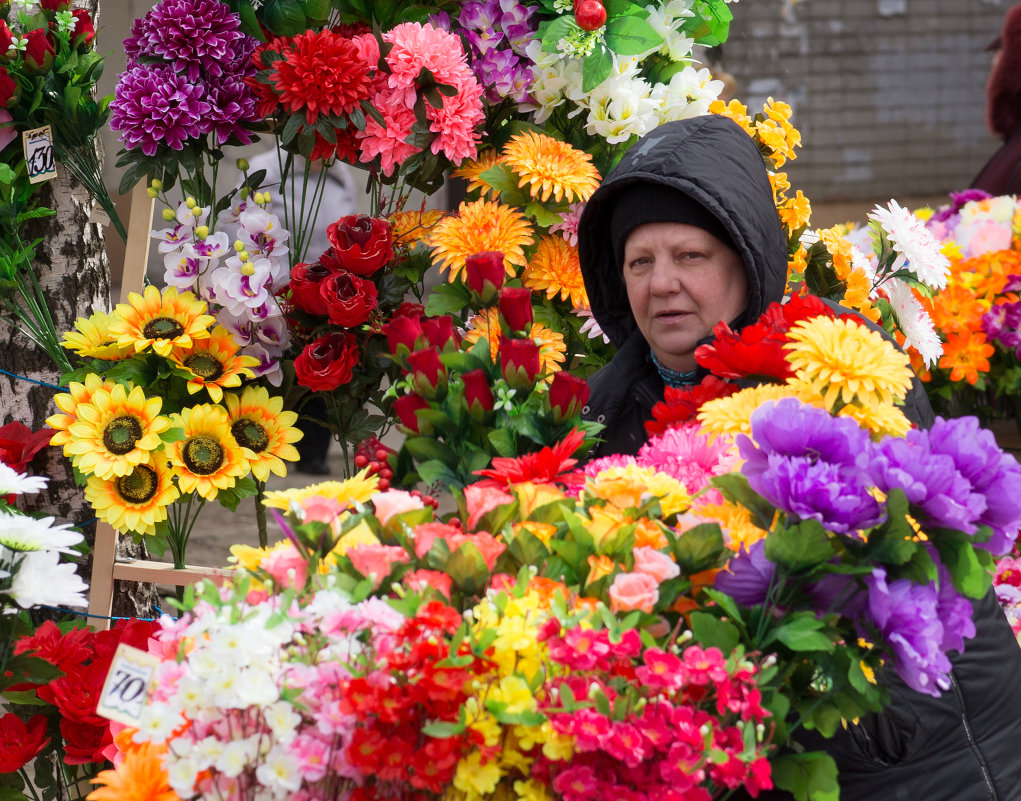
(32, 381)
(105, 617)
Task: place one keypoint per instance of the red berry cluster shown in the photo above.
(373, 455)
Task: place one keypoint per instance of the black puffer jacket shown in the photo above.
(964, 745)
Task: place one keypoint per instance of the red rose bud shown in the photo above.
(403, 335)
(361, 244)
(305, 282)
(409, 309)
(8, 89)
(328, 362)
(84, 31)
(54, 5)
(428, 375)
(349, 299)
(39, 50)
(567, 395)
(516, 307)
(406, 408)
(484, 275)
(519, 362)
(439, 331)
(6, 40)
(478, 395)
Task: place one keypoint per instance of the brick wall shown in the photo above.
(888, 94)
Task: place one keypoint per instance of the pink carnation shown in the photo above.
(568, 226)
(689, 456)
(420, 580)
(456, 122)
(417, 47)
(387, 140)
(320, 509)
(479, 499)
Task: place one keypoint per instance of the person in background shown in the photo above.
(1002, 173)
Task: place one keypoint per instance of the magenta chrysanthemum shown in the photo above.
(153, 106)
(231, 105)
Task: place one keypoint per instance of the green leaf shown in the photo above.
(631, 36)
(801, 632)
(958, 555)
(699, 548)
(436, 472)
(800, 547)
(597, 67)
(443, 729)
(809, 777)
(619, 8)
(551, 33)
(543, 216)
(711, 631)
(291, 128)
(318, 10)
(447, 299)
(501, 178)
(735, 488)
(284, 17)
(249, 21)
(502, 441)
(711, 24)
(825, 719)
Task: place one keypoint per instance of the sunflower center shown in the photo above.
(203, 455)
(121, 434)
(139, 485)
(204, 366)
(250, 434)
(163, 328)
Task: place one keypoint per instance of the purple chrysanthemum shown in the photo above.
(1001, 325)
(153, 106)
(747, 576)
(195, 36)
(231, 104)
(907, 615)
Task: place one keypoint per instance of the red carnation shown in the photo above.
(783, 316)
(328, 362)
(567, 395)
(306, 280)
(439, 331)
(20, 742)
(349, 299)
(484, 274)
(360, 244)
(84, 743)
(403, 335)
(428, 375)
(681, 405)
(478, 395)
(754, 351)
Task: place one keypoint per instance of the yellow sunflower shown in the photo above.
(548, 166)
(477, 228)
(471, 171)
(136, 501)
(357, 489)
(411, 227)
(161, 320)
(552, 349)
(263, 430)
(555, 269)
(732, 415)
(208, 459)
(115, 431)
(94, 340)
(843, 360)
(79, 395)
(215, 362)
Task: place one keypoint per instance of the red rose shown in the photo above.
(519, 362)
(428, 375)
(305, 283)
(83, 742)
(84, 31)
(8, 89)
(361, 244)
(328, 362)
(6, 40)
(20, 743)
(54, 5)
(18, 443)
(402, 335)
(406, 408)
(440, 332)
(484, 274)
(39, 50)
(478, 395)
(349, 299)
(409, 309)
(516, 307)
(567, 395)
(77, 692)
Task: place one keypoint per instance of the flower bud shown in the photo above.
(168, 215)
(190, 202)
(406, 408)
(201, 231)
(516, 308)
(478, 395)
(567, 395)
(403, 335)
(484, 275)
(156, 184)
(428, 375)
(439, 331)
(519, 362)
(242, 164)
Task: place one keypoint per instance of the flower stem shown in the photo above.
(260, 513)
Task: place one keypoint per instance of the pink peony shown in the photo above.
(656, 564)
(394, 502)
(376, 561)
(479, 500)
(633, 591)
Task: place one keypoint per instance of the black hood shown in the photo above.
(712, 160)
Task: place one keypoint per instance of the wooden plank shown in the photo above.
(101, 584)
(166, 573)
(136, 249)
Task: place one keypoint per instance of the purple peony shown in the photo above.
(789, 427)
(747, 576)
(153, 105)
(907, 615)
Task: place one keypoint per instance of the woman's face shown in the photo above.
(681, 281)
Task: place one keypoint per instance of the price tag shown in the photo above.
(38, 144)
(127, 685)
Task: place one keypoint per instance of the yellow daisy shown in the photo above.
(471, 171)
(161, 320)
(411, 227)
(732, 415)
(136, 501)
(556, 270)
(208, 459)
(843, 360)
(79, 395)
(357, 489)
(115, 431)
(477, 228)
(215, 362)
(548, 166)
(93, 339)
(263, 430)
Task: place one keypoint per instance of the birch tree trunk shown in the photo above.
(72, 268)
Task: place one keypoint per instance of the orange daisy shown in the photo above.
(161, 320)
(548, 166)
(479, 227)
(736, 110)
(966, 354)
(555, 269)
(214, 363)
(795, 212)
(471, 171)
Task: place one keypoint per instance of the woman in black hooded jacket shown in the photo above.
(707, 173)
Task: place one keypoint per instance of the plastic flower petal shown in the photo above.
(208, 459)
(94, 340)
(160, 320)
(215, 362)
(548, 166)
(136, 501)
(25, 534)
(264, 430)
(554, 269)
(480, 227)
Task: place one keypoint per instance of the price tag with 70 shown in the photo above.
(127, 685)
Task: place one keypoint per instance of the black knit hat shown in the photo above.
(649, 202)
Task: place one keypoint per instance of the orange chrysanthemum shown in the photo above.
(139, 777)
(556, 270)
(552, 349)
(161, 320)
(214, 363)
(966, 354)
(408, 228)
(471, 171)
(477, 228)
(548, 166)
(957, 310)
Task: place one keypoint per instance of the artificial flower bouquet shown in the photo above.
(157, 422)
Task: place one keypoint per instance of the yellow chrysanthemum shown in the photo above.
(411, 227)
(136, 501)
(471, 171)
(161, 320)
(552, 349)
(477, 228)
(357, 489)
(78, 395)
(208, 459)
(115, 431)
(555, 270)
(843, 360)
(93, 339)
(735, 522)
(883, 420)
(732, 415)
(215, 362)
(548, 166)
(263, 430)
(796, 211)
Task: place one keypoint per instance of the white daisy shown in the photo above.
(42, 580)
(22, 533)
(915, 323)
(14, 483)
(919, 250)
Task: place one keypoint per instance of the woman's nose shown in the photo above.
(664, 279)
